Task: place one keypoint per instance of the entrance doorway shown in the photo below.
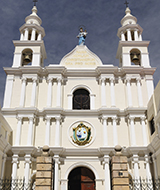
(81, 178)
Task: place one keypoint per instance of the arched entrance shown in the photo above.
(81, 178)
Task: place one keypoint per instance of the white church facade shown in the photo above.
(81, 109)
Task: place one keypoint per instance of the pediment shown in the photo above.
(81, 57)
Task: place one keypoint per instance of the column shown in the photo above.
(47, 138)
(14, 166)
(150, 86)
(59, 95)
(56, 180)
(115, 136)
(112, 80)
(57, 135)
(18, 133)
(103, 92)
(64, 184)
(148, 171)
(155, 166)
(144, 132)
(107, 172)
(129, 94)
(135, 162)
(129, 35)
(23, 92)
(30, 132)
(3, 165)
(27, 170)
(140, 99)
(136, 35)
(26, 34)
(105, 133)
(140, 37)
(70, 104)
(49, 96)
(92, 99)
(122, 36)
(22, 36)
(39, 37)
(34, 89)
(33, 36)
(8, 91)
(132, 131)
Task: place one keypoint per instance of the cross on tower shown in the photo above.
(35, 1)
(126, 3)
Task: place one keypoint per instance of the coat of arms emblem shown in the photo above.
(81, 134)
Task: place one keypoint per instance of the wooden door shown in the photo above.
(81, 178)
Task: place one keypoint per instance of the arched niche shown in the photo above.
(135, 56)
(27, 56)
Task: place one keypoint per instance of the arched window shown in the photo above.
(81, 99)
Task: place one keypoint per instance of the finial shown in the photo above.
(35, 1)
(126, 3)
(82, 35)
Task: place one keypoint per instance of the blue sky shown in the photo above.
(61, 20)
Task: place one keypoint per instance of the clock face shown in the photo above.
(81, 134)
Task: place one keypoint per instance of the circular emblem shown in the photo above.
(81, 134)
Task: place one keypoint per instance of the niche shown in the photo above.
(135, 56)
(27, 55)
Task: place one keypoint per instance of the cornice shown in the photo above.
(24, 150)
(129, 26)
(109, 112)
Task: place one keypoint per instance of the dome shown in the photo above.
(33, 18)
(128, 18)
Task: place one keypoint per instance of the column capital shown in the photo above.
(34, 29)
(128, 29)
(122, 32)
(154, 158)
(143, 118)
(104, 118)
(106, 159)
(102, 79)
(24, 79)
(26, 29)
(28, 158)
(58, 118)
(31, 119)
(59, 79)
(35, 79)
(138, 79)
(48, 118)
(15, 158)
(135, 159)
(127, 80)
(131, 118)
(19, 118)
(49, 79)
(114, 118)
(56, 159)
(112, 79)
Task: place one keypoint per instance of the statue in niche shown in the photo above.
(82, 36)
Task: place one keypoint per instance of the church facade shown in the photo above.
(81, 109)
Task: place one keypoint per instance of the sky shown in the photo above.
(61, 20)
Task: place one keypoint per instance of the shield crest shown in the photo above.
(81, 134)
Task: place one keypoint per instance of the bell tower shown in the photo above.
(132, 50)
(30, 49)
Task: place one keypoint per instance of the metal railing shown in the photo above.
(144, 184)
(16, 184)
